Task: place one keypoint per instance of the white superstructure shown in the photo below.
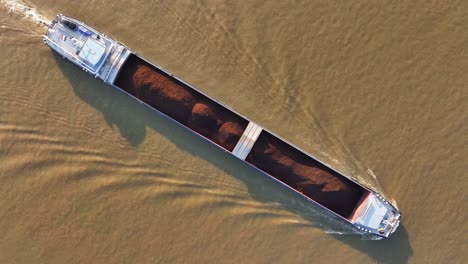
(91, 50)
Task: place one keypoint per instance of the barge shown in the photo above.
(129, 72)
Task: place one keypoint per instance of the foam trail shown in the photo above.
(20, 8)
(375, 184)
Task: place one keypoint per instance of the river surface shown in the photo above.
(377, 89)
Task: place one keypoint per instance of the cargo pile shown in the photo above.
(304, 174)
(181, 103)
(224, 127)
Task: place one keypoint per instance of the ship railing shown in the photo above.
(114, 62)
(85, 67)
(81, 62)
(104, 60)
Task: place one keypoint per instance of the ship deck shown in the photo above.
(82, 45)
(220, 125)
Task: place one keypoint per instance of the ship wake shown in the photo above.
(25, 10)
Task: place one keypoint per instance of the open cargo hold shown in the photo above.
(117, 65)
(224, 127)
(180, 102)
(305, 174)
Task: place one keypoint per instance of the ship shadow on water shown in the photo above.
(132, 119)
(396, 249)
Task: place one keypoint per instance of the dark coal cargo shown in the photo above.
(224, 127)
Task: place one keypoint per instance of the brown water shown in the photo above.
(90, 176)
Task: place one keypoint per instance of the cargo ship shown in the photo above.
(367, 211)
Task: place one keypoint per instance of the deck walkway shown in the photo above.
(247, 140)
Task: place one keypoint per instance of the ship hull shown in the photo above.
(120, 67)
